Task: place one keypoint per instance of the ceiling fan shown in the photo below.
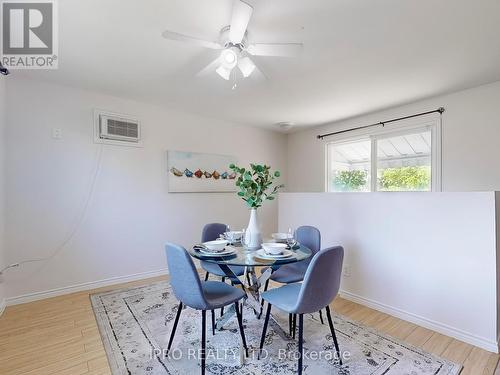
(234, 45)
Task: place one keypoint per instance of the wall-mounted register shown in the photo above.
(116, 129)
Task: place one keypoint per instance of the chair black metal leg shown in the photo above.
(206, 276)
(301, 342)
(290, 325)
(264, 331)
(294, 325)
(266, 286)
(177, 316)
(213, 322)
(334, 336)
(203, 340)
(248, 279)
(239, 315)
(222, 308)
(321, 317)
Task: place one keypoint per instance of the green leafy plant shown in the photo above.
(354, 180)
(256, 184)
(406, 178)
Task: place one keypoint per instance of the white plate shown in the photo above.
(262, 254)
(227, 251)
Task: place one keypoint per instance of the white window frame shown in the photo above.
(410, 126)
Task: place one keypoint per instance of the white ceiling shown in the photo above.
(359, 55)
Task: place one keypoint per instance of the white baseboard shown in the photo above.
(3, 305)
(447, 330)
(30, 297)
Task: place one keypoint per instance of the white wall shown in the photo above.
(131, 215)
(429, 258)
(471, 132)
(2, 187)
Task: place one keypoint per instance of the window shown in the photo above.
(351, 168)
(404, 162)
(396, 158)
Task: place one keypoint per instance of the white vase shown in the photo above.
(253, 236)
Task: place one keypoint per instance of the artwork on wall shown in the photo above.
(198, 172)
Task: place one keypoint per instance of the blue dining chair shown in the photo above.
(321, 285)
(212, 232)
(206, 295)
(310, 237)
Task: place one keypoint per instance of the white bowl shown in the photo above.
(273, 248)
(233, 235)
(281, 236)
(217, 245)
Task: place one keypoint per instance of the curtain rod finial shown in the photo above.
(441, 109)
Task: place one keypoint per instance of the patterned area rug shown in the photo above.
(135, 325)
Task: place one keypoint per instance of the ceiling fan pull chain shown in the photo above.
(235, 83)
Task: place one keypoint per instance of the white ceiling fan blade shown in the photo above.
(239, 21)
(172, 35)
(210, 68)
(276, 49)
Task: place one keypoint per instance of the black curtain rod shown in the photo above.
(440, 110)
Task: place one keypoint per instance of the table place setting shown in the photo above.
(280, 246)
(215, 248)
(273, 250)
(233, 236)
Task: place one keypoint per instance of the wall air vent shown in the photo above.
(117, 129)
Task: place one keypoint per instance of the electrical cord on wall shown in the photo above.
(78, 223)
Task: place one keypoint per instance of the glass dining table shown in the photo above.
(252, 282)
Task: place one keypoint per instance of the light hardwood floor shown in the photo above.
(60, 336)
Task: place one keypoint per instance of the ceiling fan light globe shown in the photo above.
(246, 66)
(224, 72)
(229, 58)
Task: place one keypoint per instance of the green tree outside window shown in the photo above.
(354, 180)
(405, 178)
(416, 178)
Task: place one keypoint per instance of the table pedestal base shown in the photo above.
(252, 299)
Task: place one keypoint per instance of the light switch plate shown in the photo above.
(56, 133)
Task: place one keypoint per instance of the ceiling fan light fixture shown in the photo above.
(234, 47)
(229, 58)
(223, 72)
(246, 66)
